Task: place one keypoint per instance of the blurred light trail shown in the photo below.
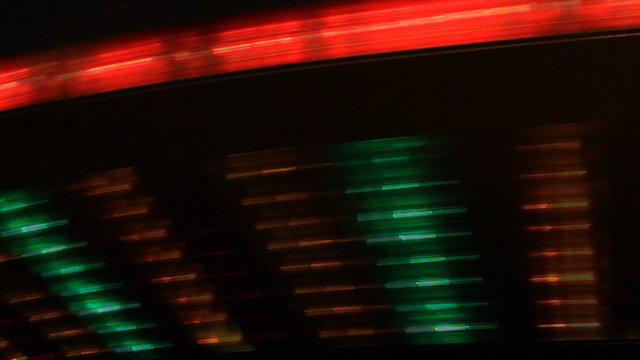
(383, 227)
(323, 31)
(562, 256)
(83, 290)
(130, 214)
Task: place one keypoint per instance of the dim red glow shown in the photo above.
(559, 302)
(46, 316)
(19, 299)
(220, 340)
(567, 227)
(550, 253)
(159, 256)
(139, 210)
(145, 235)
(67, 333)
(295, 222)
(320, 265)
(310, 242)
(356, 332)
(175, 278)
(332, 288)
(552, 146)
(555, 174)
(201, 317)
(197, 299)
(344, 309)
(570, 325)
(6, 257)
(310, 33)
(109, 189)
(558, 205)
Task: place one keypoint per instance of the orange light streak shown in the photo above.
(344, 309)
(175, 278)
(109, 189)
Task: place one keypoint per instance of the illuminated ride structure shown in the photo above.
(374, 178)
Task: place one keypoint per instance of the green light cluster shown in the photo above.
(30, 232)
(413, 214)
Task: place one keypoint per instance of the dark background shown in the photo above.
(484, 95)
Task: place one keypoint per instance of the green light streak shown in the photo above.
(17, 200)
(425, 259)
(118, 327)
(386, 161)
(44, 245)
(74, 269)
(388, 144)
(80, 288)
(448, 328)
(415, 222)
(413, 237)
(401, 214)
(399, 186)
(17, 206)
(100, 306)
(33, 227)
(438, 306)
(137, 346)
(431, 282)
(390, 159)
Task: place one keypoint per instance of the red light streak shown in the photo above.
(46, 316)
(320, 265)
(67, 333)
(559, 205)
(160, 256)
(145, 235)
(310, 33)
(141, 210)
(310, 242)
(19, 299)
(332, 288)
(551, 253)
(556, 174)
(236, 175)
(197, 299)
(5, 257)
(567, 227)
(117, 65)
(109, 189)
(294, 222)
(83, 352)
(168, 279)
(344, 309)
(220, 340)
(559, 302)
(202, 318)
(14, 74)
(570, 325)
(552, 146)
(356, 332)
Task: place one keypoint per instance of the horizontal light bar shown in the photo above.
(310, 33)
